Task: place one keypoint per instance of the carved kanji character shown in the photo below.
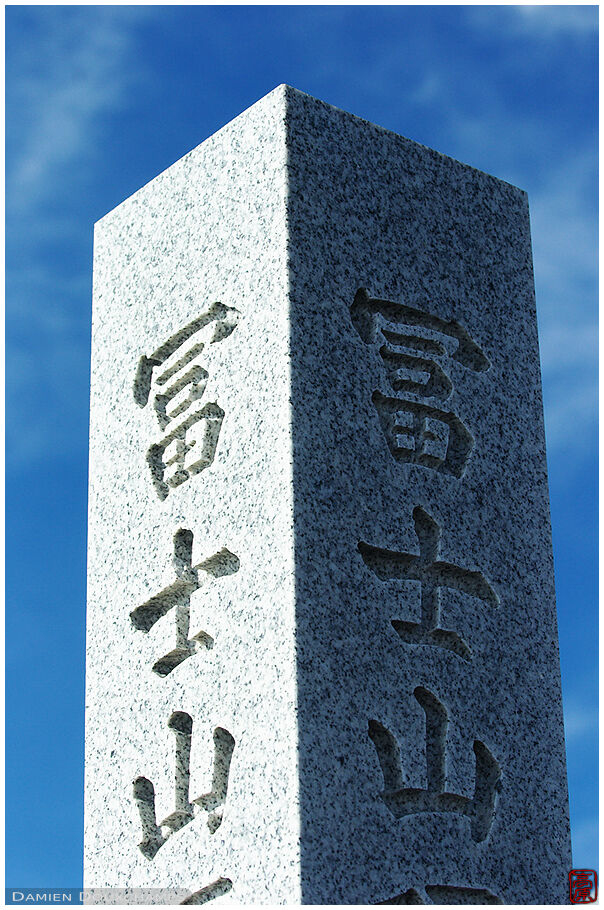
(402, 801)
(177, 596)
(432, 575)
(191, 431)
(411, 343)
(212, 803)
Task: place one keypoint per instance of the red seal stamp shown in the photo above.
(583, 886)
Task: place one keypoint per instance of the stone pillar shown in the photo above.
(322, 661)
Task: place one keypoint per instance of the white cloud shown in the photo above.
(553, 20)
(78, 67)
(565, 345)
(585, 836)
(427, 91)
(546, 22)
(564, 233)
(570, 426)
(579, 721)
(564, 220)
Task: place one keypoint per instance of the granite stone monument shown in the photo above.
(322, 657)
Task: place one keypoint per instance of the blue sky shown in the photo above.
(99, 100)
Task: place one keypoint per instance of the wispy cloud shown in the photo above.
(545, 22)
(564, 214)
(564, 228)
(579, 721)
(585, 837)
(67, 69)
(78, 66)
(553, 20)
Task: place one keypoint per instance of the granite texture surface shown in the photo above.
(322, 661)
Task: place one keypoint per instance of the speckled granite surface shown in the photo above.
(322, 659)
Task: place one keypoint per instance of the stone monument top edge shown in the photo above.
(264, 100)
(290, 96)
(337, 111)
